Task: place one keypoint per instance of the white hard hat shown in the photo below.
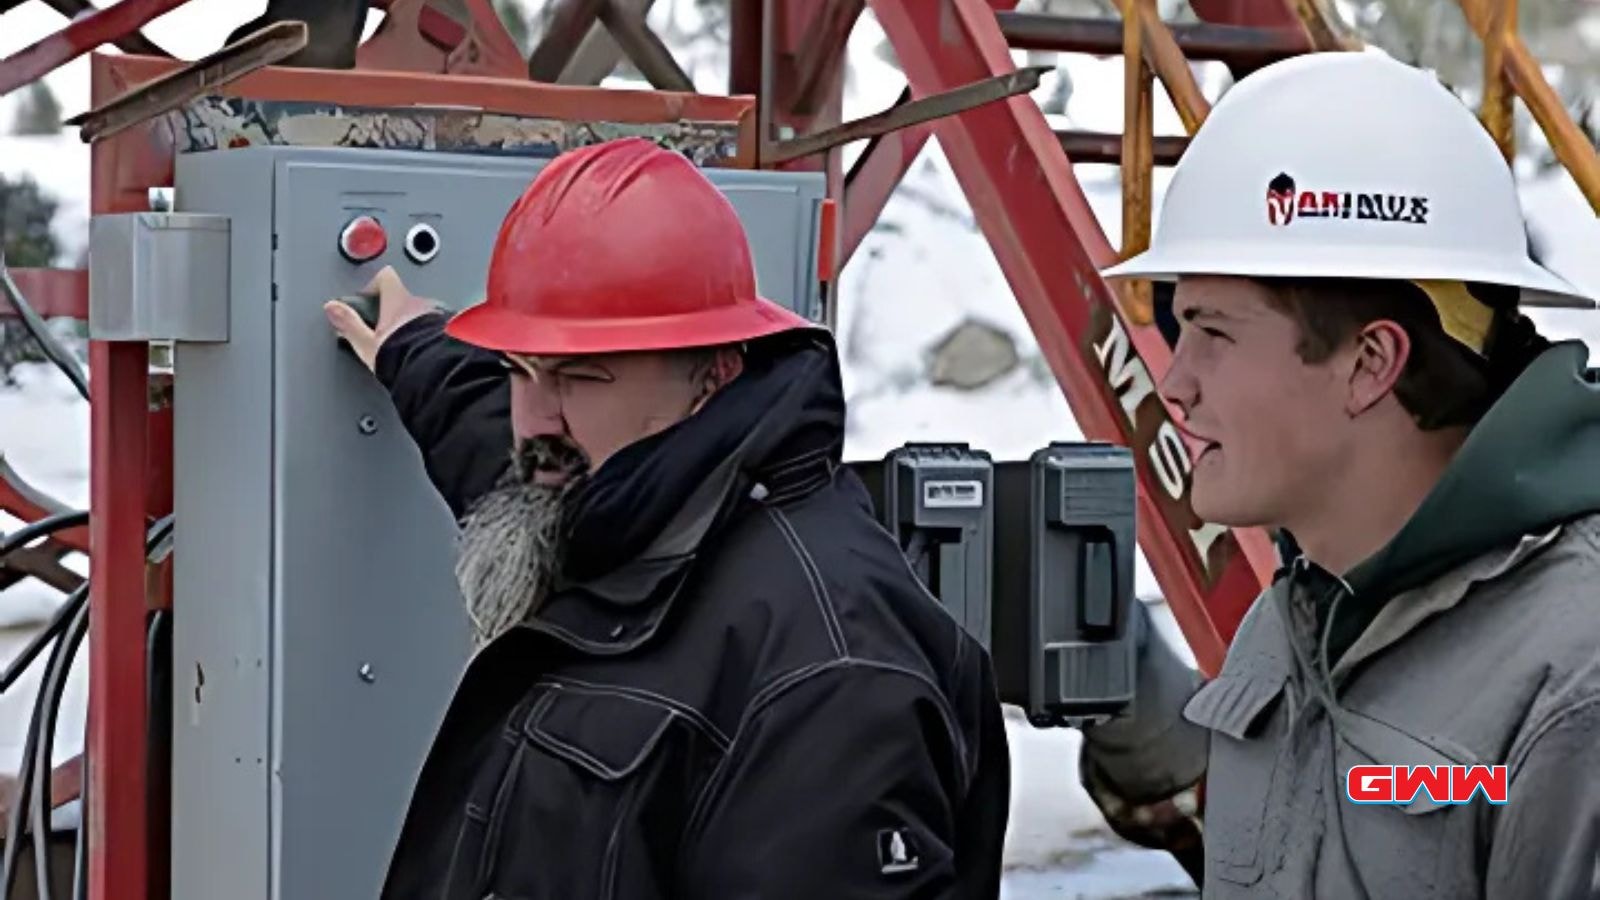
(1346, 165)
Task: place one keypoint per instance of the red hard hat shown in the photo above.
(615, 247)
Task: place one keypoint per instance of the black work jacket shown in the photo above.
(739, 689)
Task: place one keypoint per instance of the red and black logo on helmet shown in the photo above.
(1280, 199)
(1285, 203)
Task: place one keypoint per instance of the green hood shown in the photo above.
(1531, 463)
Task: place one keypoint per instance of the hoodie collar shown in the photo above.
(1526, 467)
(773, 435)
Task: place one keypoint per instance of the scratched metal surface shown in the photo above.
(212, 123)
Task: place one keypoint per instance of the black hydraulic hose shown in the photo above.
(43, 528)
(33, 781)
(48, 706)
(63, 614)
(25, 779)
(80, 848)
(64, 360)
(158, 744)
(52, 630)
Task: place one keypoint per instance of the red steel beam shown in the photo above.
(822, 51)
(120, 499)
(1051, 248)
(442, 31)
(788, 25)
(1243, 48)
(872, 180)
(80, 37)
(1085, 147)
(1257, 13)
(745, 30)
(53, 293)
(130, 43)
(119, 862)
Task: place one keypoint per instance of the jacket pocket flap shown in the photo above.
(1386, 744)
(1236, 705)
(609, 734)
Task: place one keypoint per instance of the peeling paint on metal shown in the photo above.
(213, 123)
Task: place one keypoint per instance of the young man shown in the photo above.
(1353, 370)
(709, 673)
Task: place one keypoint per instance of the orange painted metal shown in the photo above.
(1571, 147)
(1162, 53)
(1138, 161)
(1496, 108)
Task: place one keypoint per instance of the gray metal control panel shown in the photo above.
(1064, 583)
(318, 631)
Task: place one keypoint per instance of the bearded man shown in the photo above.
(706, 671)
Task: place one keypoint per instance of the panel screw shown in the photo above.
(367, 425)
(367, 673)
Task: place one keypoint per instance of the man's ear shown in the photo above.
(1381, 351)
(728, 365)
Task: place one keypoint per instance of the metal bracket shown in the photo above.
(907, 114)
(203, 76)
(159, 277)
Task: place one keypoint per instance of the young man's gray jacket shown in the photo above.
(1472, 637)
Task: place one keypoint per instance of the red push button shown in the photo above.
(363, 239)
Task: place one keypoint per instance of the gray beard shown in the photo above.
(510, 544)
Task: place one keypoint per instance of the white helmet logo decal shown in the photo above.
(1285, 204)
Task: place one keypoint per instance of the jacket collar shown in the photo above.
(773, 436)
(1408, 610)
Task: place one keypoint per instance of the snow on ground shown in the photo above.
(44, 434)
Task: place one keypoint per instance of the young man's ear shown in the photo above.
(1381, 351)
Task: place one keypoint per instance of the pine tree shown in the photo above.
(38, 112)
(25, 215)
